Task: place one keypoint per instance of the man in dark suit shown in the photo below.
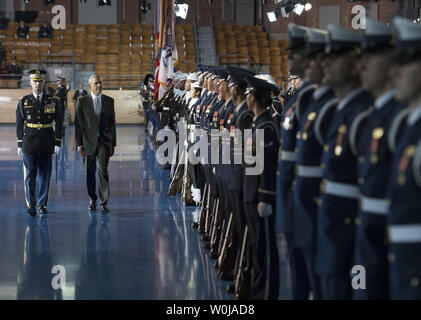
(95, 131)
(22, 31)
(61, 94)
(79, 93)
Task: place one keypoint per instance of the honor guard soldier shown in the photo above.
(286, 164)
(259, 191)
(241, 119)
(61, 94)
(37, 141)
(404, 192)
(369, 142)
(339, 187)
(309, 152)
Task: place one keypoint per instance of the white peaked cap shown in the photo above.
(376, 28)
(407, 30)
(341, 34)
(193, 76)
(296, 31)
(266, 77)
(317, 35)
(196, 85)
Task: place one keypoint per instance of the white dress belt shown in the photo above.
(405, 233)
(374, 205)
(309, 171)
(341, 189)
(288, 155)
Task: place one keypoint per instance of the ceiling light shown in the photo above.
(181, 10)
(299, 8)
(272, 16)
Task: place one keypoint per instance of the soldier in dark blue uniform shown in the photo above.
(404, 191)
(61, 94)
(37, 141)
(339, 188)
(259, 190)
(240, 119)
(369, 142)
(212, 122)
(224, 113)
(286, 165)
(308, 171)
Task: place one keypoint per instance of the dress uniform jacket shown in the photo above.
(34, 129)
(369, 139)
(262, 188)
(309, 172)
(335, 234)
(286, 165)
(241, 120)
(404, 219)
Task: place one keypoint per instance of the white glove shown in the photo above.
(186, 144)
(20, 152)
(264, 209)
(56, 149)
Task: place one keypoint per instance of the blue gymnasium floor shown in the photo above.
(144, 249)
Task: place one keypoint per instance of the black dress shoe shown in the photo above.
(43, 210)
(32, 211)
(104, 209)
(92, 205)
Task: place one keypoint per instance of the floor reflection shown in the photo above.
(35, 280)
(146, 249)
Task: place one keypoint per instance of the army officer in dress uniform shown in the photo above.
(404, 219)
(37, 141)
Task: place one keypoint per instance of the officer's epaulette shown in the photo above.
(303, 98)
(355, 126)
(395, 128)
(416, 165)
(318, 122)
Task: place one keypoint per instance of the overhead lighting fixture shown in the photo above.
(104, 2)
(285, 12)
(272, 16)
(181, 10)
(299, 8)
(308, 6)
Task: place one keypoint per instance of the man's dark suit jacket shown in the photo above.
(87, 128)
(77, 94)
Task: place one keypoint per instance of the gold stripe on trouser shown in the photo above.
(24, 247)
(49, 182)
(24, 184)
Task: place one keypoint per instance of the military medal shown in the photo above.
(374, 147)
(208, 109)
(403, 163)
(340, 139)
(287, 124)
(215, 116)
(310, 119)
(230, 118)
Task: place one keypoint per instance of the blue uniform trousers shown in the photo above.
(37, 166)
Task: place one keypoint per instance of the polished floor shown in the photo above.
(144, 249)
